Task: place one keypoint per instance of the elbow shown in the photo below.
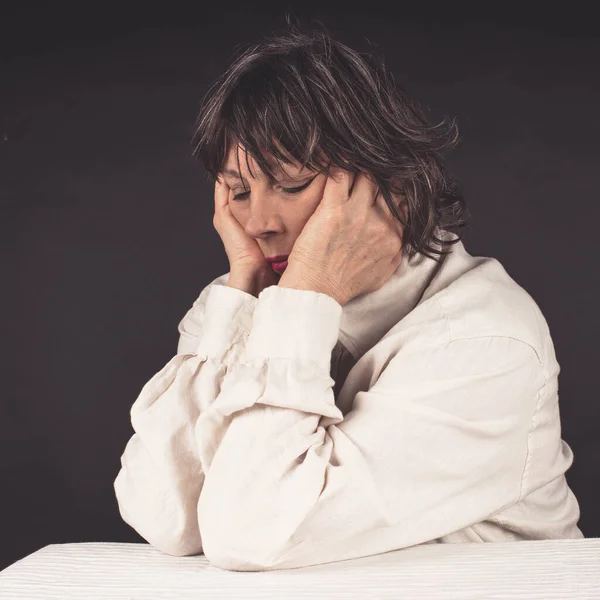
(235, 539)
(175, 545)
(176, 541)
(232, 556)
(169, 529)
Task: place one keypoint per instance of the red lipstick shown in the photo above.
(278, 263)
(278, 258)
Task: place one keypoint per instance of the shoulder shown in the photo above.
(465, 368)
(479, 299)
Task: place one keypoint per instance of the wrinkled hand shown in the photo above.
(351, 245)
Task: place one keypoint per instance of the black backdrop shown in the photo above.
(106, 226)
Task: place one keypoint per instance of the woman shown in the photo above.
(381, 389)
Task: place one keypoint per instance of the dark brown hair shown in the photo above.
(304, 95)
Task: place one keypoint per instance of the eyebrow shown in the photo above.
(233, 173)
(238, 176)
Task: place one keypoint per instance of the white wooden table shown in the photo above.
(544, 570)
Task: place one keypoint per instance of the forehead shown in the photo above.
(231, 164)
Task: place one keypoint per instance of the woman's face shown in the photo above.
(274, 215)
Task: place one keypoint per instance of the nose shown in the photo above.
(263, 210)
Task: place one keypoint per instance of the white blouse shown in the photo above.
(290, 431)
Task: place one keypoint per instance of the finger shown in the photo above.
(365, 190)
(401, 205)
(398, 202)
(382, 204)
(386, 211)
(338, 186)
(221, 194)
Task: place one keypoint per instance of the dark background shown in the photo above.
(106, 232)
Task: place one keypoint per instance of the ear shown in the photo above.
(403, 208)
(399, 197)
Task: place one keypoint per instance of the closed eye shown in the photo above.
(295, 190)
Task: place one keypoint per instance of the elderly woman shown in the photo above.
(357, 382)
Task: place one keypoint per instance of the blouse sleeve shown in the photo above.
(438, 442)
(159, 483)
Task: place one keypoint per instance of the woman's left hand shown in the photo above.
(351, 245)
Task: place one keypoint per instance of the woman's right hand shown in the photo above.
(246, 260)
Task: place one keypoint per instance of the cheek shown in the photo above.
(297, 218)
(302, 211)
(313, 199)
(239, 215)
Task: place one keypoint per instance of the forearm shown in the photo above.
(162, 474)
(245, 284)
(290, 280)
(251, 283)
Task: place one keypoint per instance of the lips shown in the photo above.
(279, 266)
(278, 263)
(278, 258)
